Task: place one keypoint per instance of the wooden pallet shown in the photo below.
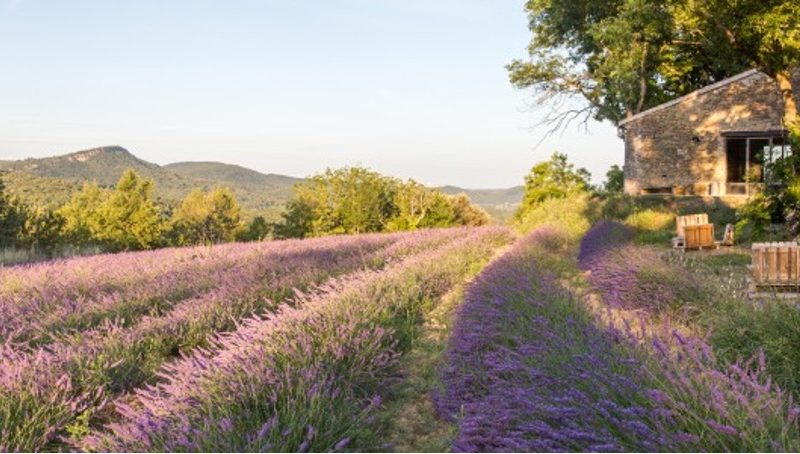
(775, 268)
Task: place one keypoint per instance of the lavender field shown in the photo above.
(299, 346)
(554, 354)
(271, 345)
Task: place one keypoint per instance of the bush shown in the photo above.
(651, 220)
(573, 214)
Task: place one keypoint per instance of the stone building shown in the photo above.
(709, 141)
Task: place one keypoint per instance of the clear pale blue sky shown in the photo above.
(411, 88)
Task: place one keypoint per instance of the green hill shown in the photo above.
(52, 181)
(246, 180)
(497, 198)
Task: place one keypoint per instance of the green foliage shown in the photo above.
(421, 207)
(42, 230)
(652, 226)
(740, 327)
(744, 330)
(346, 200)
(208, 218)
(615, 180)
(555, 178)
(258, 229)
(358, 200)
(573, 215)
(465, 213)
(754, 218)
(80, 214)
(778, 202)
(622, 206)
(12, 218)
(130, 219)
(625, 56)
(651, 220)
(297, 220)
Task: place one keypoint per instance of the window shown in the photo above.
(750, 158)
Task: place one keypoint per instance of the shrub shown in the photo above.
(651, 220)
(572, 214)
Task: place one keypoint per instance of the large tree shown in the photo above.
(611, 59)
(346, 200)
(554, 178)
(358, 200)
(130, 219)
(80, 214)
(12, 219)
(207, 218)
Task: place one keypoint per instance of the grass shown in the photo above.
(408, 420)
(572, 215)
(706, 293)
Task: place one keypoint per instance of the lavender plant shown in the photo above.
(74, 295)
(528, 370)
(303, 378)
(531, 368)
(635, 277)
(115, 357)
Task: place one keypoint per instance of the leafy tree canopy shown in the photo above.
(554, 178)
(12, 218)
(615, 179)
(358, 200)
(207, 218)
(129, 219)
(621, 57)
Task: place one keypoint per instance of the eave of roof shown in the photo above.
(698, 92)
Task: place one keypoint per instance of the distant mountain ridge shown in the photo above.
(52, 181)
(489, 197)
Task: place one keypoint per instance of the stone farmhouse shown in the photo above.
(709, 141)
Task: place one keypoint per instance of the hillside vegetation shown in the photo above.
(52, 181)
(57, 178)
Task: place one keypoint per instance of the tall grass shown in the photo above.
(573, 214)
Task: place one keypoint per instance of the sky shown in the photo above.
(410, 88)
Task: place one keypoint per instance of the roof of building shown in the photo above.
(694, 94)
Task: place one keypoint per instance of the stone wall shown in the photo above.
(680, 146)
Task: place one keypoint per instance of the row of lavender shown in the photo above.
(304, 378)
(40, 301)
(47, 387)
(531, 368)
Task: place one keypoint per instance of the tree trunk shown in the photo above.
(784, 79)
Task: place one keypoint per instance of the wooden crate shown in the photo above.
(776, 267)
(690, 219)
(699, 236)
